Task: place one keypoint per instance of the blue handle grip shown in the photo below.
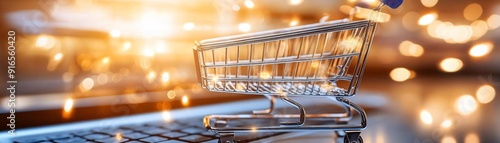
(393, 3)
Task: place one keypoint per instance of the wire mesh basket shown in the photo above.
(323, 59)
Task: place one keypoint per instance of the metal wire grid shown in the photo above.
(297, 62)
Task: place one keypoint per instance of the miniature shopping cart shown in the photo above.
(318, 60)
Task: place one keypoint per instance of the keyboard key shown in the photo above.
(82, 133)
(143, 128)
(112, 140)
(195, 138)
(173, 126)
(153, 131)
(96, 136)
(134, 142)
(208, 133)
(212, 141)
(70, 140)
(153, 139)
(133, 126)
(135, 135)
(174, 134)
(172, 141)
(114, 131)
(31, 139)
(59, 136)
(193, 130)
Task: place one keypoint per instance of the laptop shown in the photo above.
(177, 125)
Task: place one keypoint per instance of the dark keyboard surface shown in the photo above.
(185, 131)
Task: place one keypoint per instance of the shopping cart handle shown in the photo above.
(393, 3)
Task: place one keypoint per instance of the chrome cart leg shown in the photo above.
(347, 113)
(356, 108)
(272, 99)
(302, 117)
(353, 137)
(226, 137)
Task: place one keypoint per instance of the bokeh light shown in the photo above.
(68, 105)
(410, 49)
(185, 100)
(493, 21)
(295, 2)
(167, 116)
(115, 33)
(479, 28)
(105, 60)
(45, 42)
(480, 50)
(126, 46)
(165, 77)
(466, 104)
(448, 139)
(102, 78)
(171, 94)
(58, 56)
(244, 27)
(473, 11)
(426, 117)
(294, 22)
(451, 65)
(446, 123)
(249, 3)
(87, 84)
(410, 21)
(188, 26)
(471, 138)
(400, 74)
(429, 3)
(151, 76)
(427, 19)
(485, 94)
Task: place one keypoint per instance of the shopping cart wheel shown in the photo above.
(353, 137)
(226, 137)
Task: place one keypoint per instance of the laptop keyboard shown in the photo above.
(186, 131)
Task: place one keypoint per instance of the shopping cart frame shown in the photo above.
(217, 123)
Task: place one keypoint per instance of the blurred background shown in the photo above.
(436, 61)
